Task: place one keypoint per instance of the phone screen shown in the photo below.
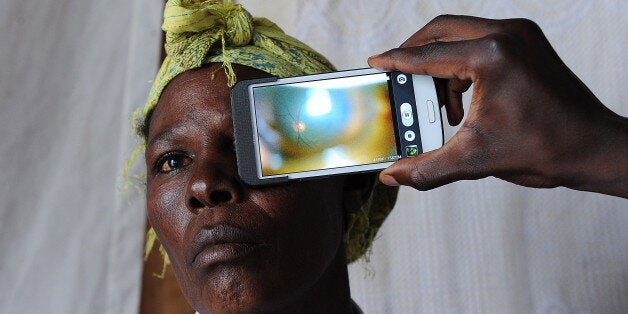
(324, 124)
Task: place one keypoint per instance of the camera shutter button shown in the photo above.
(409, 136)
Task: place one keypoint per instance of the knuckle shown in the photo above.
(522, 28)
(443, 18)
(499, 48)
(439, 19)
(419, 179)
(526, 25)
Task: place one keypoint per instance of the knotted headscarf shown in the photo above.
(199, 33)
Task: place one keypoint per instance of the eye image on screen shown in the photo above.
(324, 124)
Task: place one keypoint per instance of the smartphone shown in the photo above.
(334, 123)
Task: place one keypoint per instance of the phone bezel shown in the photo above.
(246, 138)
(432, 133)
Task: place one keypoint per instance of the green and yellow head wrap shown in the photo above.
(199, 33)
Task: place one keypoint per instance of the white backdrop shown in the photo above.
(72, 71)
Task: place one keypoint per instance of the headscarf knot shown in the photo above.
(194, 28)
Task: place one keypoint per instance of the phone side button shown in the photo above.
(431, 114)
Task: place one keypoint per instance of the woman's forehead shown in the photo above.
(189, 101)
(206, 84)
(196, 95)
(194, 86)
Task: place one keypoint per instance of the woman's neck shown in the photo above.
(330, 294)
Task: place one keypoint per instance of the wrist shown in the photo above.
(601, 162)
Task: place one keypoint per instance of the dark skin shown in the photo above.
(236, 249)
(531, 120)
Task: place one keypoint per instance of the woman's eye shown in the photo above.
(171, 163)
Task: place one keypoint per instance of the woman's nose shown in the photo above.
(212, 187)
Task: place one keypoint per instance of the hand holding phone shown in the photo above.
(334, 123)
(531, 120)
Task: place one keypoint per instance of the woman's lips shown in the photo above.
(222, 243)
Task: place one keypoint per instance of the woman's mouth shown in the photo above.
(222, 244)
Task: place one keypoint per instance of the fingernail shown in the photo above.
(374, 56)
(388, 180)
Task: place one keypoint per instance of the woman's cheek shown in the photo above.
(167, 212)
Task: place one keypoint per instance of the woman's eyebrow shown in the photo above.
(163, 136)
(168, 135)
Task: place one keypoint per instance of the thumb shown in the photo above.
(447, 164)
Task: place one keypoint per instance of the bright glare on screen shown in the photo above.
(318, 102)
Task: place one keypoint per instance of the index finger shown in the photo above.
(452, 28)
(439, 59)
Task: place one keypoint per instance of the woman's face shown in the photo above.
(234, 248)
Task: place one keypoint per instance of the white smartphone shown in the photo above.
(334, 123)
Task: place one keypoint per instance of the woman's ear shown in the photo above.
(358, 188)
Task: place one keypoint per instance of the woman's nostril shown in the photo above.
(195, 203)
(220, 196)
